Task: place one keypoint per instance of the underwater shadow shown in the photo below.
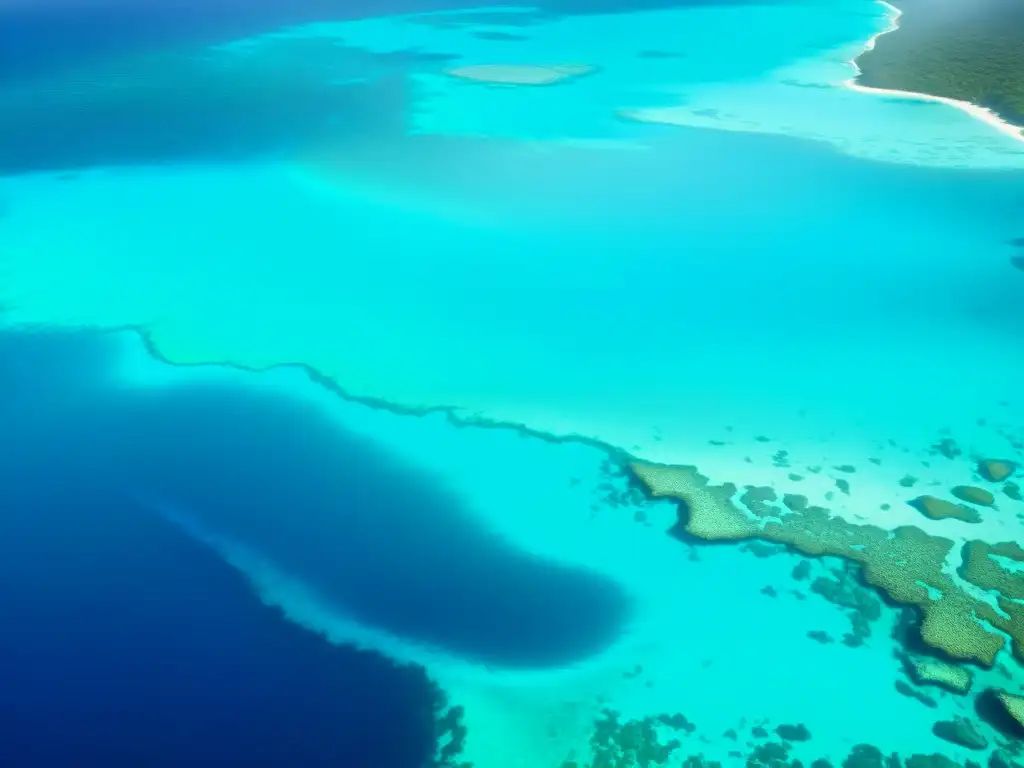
(382, 541)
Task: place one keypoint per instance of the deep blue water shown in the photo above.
(125, 643)
(126, 640)
(59, 113)
(47, 35)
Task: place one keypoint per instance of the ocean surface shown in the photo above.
(331, 336)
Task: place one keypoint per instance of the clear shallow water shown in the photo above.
(785, 268)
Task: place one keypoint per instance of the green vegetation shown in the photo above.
(967, 51)
(905, 563)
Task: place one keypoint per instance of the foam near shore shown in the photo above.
(817, 97)
(985, 115)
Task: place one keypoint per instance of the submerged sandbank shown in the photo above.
(520, 74)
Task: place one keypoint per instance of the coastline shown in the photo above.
(984, 114)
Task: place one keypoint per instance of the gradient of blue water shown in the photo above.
(136, 621)
(127, 643)
(47, 35)
(136, 640)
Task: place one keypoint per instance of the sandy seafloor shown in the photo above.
(785, 265)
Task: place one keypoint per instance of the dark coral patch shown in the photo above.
(974, 495)
(996, 470)
(940, 509)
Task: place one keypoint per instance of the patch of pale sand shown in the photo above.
(520, 74)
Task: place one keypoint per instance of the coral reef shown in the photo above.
(953, 678)
(699, 761)
(960, 731)
(868, 756)
(947, 447)
(931, 761)
(980, 567)
(845, 590)
(712, 515)
(1001, 759)
(796, 732)
(996, 470)
(802, 570)
(760, 500)
(761, 549)
(974, 495)
(906, 563)
(641, 743)
(795, 502)
(940, 509)
(449, 732)
(1013, 706)
(769, 755)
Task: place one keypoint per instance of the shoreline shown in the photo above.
(983, 114)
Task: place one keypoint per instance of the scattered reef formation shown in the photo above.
(906, 564)
(985, 565)
(947, 447)
(1002, 759)
(843, 588)
(449, 732)
(996, 470)
(1013, 706)
(960, 731)
(796, 732)
(935, 761)
(639, 743)
(665, 741)
(951, 677)
(939, 509)
(974, 495)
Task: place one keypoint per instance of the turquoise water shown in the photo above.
(706, 249)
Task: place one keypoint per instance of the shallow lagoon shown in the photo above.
(788, 266)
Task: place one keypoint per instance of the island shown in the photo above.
(967, 51)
